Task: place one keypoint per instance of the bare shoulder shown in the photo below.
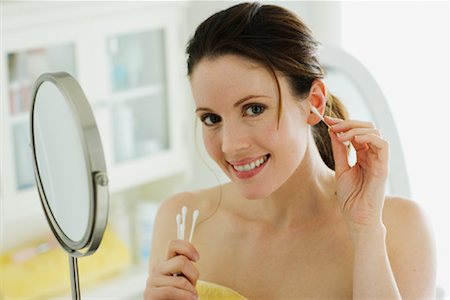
(410, 245)
(404, 216)
(405, 221)
(165, 228)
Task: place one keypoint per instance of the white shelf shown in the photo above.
(147, 169)
(20, 118)
(131, 94)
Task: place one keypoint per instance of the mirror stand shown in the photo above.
(74, 278)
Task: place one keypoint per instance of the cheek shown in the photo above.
(270, 135)
(292, 138)
(287, 136)
(211, 143)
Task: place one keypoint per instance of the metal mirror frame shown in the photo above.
(95, 165)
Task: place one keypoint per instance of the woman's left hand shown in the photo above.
(361, 187)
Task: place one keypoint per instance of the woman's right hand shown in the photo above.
(162, 284)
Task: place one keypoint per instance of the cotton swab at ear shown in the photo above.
(194, 220)
(316, 112)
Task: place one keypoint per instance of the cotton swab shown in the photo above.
(178, 226)
(316, 112)
(183, 213)
(178, 218)
(183, 222)
(182, 229)
(195, 215)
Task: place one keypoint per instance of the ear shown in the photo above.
(317, 98)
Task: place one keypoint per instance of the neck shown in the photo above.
(308, 195)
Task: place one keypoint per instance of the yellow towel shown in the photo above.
(47, 274)
(213, 291)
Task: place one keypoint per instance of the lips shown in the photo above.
(249, 167)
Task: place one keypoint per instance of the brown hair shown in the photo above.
(277, 39)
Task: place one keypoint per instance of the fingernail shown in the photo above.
(194, 297)
(196, 256)
(333, 118)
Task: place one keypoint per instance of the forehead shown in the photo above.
(228, 78)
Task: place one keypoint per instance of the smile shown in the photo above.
(252, 165)
(251, 168)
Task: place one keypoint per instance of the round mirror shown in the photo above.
(69, 164)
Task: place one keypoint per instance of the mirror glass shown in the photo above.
(61, 161)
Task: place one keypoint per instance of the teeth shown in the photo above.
(258, 162)
(252, 165)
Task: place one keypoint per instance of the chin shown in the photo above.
(252, 194)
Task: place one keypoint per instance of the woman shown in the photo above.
(296, 221)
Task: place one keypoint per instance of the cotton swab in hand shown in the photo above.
(195, 215)
(183, 221)
(178, 226)
(182, 229)
(181, 224)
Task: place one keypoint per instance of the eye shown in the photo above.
(210, 119)
(254, 110)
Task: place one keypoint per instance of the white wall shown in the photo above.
(405, 46)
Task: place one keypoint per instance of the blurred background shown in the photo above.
(129, 59)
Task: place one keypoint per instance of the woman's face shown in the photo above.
(237, 102)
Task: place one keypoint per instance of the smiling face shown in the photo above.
(237, 102)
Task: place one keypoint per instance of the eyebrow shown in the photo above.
(239, 102)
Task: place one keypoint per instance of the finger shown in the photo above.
(350, 135)
(179, 282)
(377, 144)
(361, 147)
(169, 293)
(185, 248)
(179, 264)
(332, 121)
(340, 154)
(345, 125)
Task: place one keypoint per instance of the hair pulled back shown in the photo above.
(277, 39)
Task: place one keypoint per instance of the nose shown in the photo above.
(234, 139)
